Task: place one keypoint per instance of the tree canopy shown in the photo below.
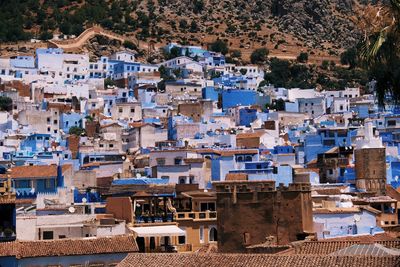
(259, 56)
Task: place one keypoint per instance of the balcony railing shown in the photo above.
(154, 218)
(202, 215)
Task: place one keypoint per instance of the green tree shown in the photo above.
(198, 6)
(183, 24)
(219, 46)
(5, 103)
(108, 83)
(259, 56)
(129, 44)
(302, 57)
(77, 131)
(46, 35)
(349, 57)
(236, 54)
(325, 64)
(380, 51)
(193, 26)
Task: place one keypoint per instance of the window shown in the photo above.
(178, 161)
(391, 123)
(132, 110)
(48, 183)
(160, 161)
(246, 238)
(201, 234)
(47, 235)
(120, 110)
(213, 236)
(152, 243)
(182, 179)
(111, 145)
(61, 236)
(207, 206)
(181, 239)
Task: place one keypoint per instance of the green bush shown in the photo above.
(259, 56)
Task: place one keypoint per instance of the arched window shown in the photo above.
(182, 180)
(213, 235)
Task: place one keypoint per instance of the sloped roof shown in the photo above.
(249, 135)
(331, 246)
(42, 171)
(254, 260)
(376, 250)
(68, 247)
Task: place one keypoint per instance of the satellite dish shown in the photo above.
(84, 200)
(357, 217)
(138, 175)
(71, 209)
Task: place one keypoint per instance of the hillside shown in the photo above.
(323, 27)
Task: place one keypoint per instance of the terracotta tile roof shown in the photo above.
(393, 193)
(368, 249)
(330, 246)
(137, 124)
(254, 260)
(42, 171)
(383, 237)
(68, 247)
(236, 176)
(110, 124)
(249, 135)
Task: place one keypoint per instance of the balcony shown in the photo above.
(196, 216)
(154, 219)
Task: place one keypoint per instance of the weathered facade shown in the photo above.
(370, 170)
(250, 211)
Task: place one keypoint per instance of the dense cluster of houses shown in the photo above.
(99, 153)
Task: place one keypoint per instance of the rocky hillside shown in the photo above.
(322, 27)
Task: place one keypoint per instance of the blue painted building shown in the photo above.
(36, 142)
(233, 98)
(71, 119)
(30, 180)
(211, 93)
(247, 116)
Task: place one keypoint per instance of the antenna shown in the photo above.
(71, 209)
